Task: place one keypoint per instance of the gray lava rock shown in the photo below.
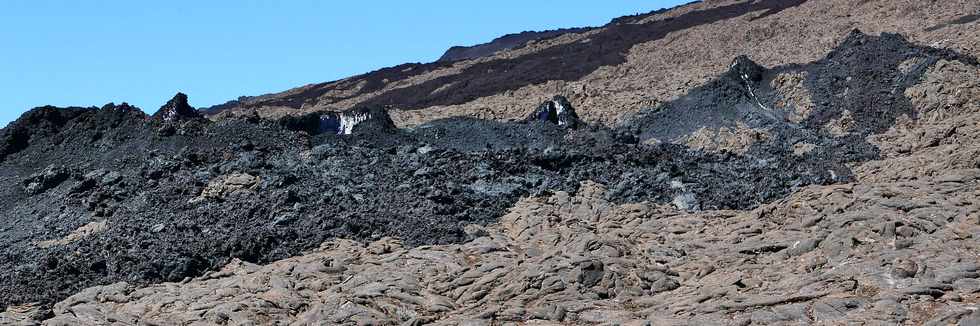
(51, 177)
(686, 201)
(345, 123)
(904, 268)
(175, 110)
(230, 185)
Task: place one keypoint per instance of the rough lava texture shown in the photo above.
(557, 111)
(877, 253)
(786, 189)
(111, 196)
(366, 121)
(176, 109)
(895, 246)
(858, 89)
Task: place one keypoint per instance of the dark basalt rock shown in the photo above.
(12, 140)
(744, 69)
(176, 109)
(49, 178)
(864, 65)
(423, 186)
(356, 120)
(37, 122)
(287, 186)
(557, 111)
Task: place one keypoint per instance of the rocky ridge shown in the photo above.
(505, 42)
(633, 63)
(176, 109)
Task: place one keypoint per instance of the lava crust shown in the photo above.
(92, 196)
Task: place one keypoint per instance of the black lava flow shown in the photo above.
(140, 179)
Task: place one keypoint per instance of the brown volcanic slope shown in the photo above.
(631, 63)
(897, 246)
(505, 42)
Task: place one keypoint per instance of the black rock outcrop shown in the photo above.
(176, 109)
(745, 69)
(557, 111)
(47, 179)
(858, 85)
(351, 121)
(364, 122)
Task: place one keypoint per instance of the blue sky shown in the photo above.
(87, 53)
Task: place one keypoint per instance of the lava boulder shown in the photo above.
(51, 177)
(743, 68)
(557, 111)
(175, 110)
(365, 119)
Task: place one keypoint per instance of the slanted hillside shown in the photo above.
(505, 42)
(827, 177)
(635, 62)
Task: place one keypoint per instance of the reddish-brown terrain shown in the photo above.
(632, 63)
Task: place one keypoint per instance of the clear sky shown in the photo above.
(88, 53)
